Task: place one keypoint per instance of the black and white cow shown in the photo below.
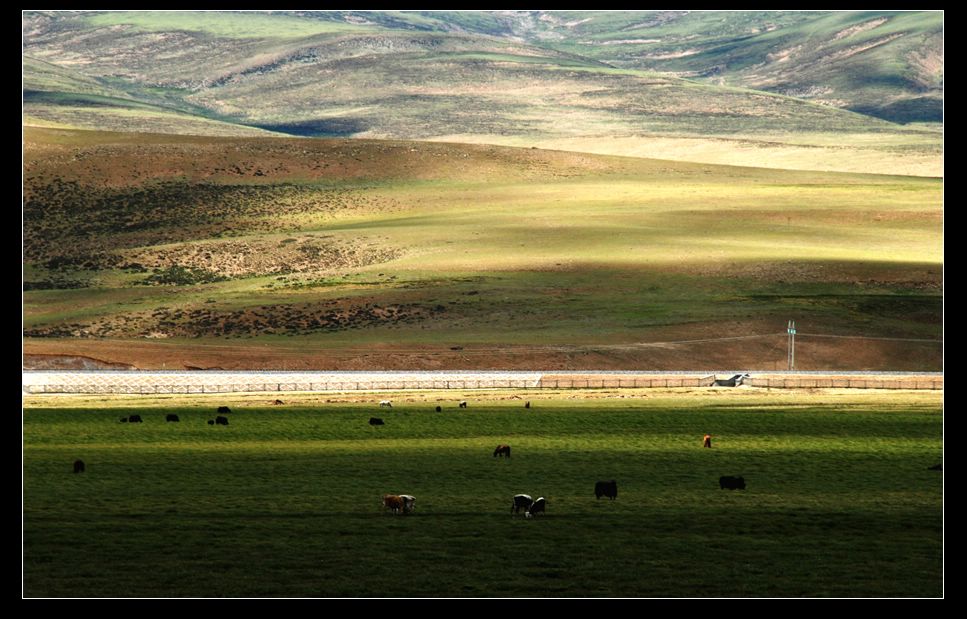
(521, 502)
(385, 404)
(408, 501)
(538, 507)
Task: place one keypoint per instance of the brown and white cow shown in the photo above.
(393, 502)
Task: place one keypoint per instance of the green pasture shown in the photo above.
(285, 500)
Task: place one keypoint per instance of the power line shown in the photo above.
(867, 337)
(712, 339)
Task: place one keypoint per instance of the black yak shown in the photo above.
(731, 483)
(606, 488)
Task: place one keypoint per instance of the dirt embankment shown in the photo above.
(761, 355)
(71, 362)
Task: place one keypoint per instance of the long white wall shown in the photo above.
(138, 382)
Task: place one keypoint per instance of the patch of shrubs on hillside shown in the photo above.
(63, 213)
(181, 276)
(85, 261)
(55, 284)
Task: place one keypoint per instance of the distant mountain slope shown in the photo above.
(885, 63)
(503, 77)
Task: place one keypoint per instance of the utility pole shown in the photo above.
(791, 350)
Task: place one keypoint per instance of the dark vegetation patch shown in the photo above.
(66, 223)
(921, 109)
(320, 127)
(281, 319)
(55, 283)
(194, 263)
(77, 100)
(918, 308)
(181, 276)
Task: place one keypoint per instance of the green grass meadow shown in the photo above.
(285, 501)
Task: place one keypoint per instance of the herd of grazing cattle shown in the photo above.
(404, 503)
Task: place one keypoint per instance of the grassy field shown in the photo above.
(328, 244)
(285, 500)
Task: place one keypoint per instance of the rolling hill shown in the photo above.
(700, 86)
(167, 251)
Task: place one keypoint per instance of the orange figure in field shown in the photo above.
(707, 441)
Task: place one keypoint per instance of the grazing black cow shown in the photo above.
(172, 417)
(376, 421)
(606, 488)
(538, 507)
(731, 483)
(78, 466)
(221, 421)
(463, 404)
(224, 410)
(211, 422)
(735, 381)
(134, 419)
(123, 420)
(521, 502)
(278, 402)
(527, 404)
(502, 450)
(408, 503)
(439, 410)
